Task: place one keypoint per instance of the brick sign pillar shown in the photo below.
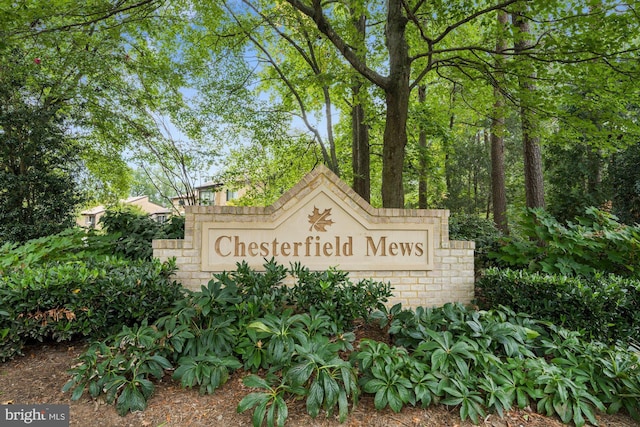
(321, 222)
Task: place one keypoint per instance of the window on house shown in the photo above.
(232, 194)
(161, 219)
(206, 198)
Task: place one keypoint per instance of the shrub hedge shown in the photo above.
(62, 300)
(603, 307)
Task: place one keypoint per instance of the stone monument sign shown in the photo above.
(321, 222)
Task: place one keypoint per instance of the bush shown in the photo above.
(333, 292)
(480, 361)
(63, 300)
(476, 361)
(245, 318)
(73, 244)
(593, 244)
(134, 231)
(603, 307)
(39, 158)
(480, 230)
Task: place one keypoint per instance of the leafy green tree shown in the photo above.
(576, 176)
(105, 66)
(38, 193)
(624, 177)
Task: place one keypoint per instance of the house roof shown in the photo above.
(141, 201)
(94, 211)
(209, 184)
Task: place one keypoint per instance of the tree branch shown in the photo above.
(316, 14)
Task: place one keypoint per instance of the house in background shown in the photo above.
(90, 218)
(208, 194)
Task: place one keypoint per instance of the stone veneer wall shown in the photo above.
(451, 280)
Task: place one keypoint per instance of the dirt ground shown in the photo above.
(38, 377)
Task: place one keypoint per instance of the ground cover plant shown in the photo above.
(476, 361)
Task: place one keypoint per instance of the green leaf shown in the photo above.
(259, 413)
(578, 419)
(259, 326)
(331, 390)
(451, 401)
(251, 400)
(374, 385)
(146, 387)
(300, 374)
(282, 410)
(395, 402)
(564, 410)
(343, 406)
(77, 392)
(271, 414)
(255, 381)
(438, 359)
(380, 399)
(314, 399)
(131, 399)
(162, 361)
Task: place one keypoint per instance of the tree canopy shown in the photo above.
(474, 106)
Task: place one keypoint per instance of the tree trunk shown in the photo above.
(332, 161)
(360, 160)
(395, 85)
(422, 144)
(498, 126)
(397, 100)
(446, 142)
(533, 179)
(360, 154)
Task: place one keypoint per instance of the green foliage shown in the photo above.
(62, 300)
(329, 380)
(603, 307)
(173, 228)
(494, 360)
(72, 244)
(385, 374)
(120, 368)
(592, 244)
(210, 333)
(208, 371)
(38, 192)
(269, 405)
(281, 333)
(333, 292)
(574, 174)
(135, 231)
(480, 230)
(624, 177)
(475, 361)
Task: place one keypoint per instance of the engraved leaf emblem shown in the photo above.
(320, 220)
